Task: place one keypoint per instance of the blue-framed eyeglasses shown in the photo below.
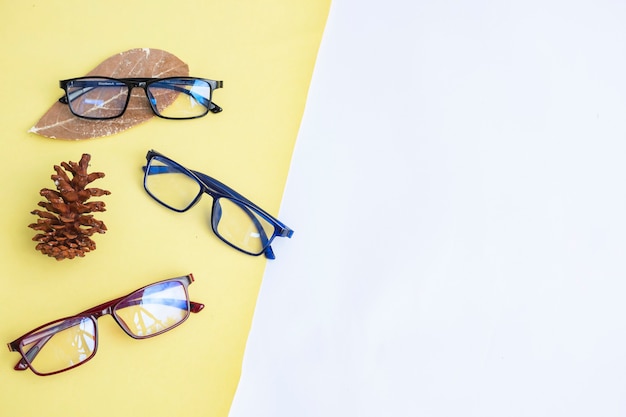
(234, 219)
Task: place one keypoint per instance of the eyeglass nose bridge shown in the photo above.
(143, 84)
(136, 82)
(102, 309)
(139, 83)
(103, 312)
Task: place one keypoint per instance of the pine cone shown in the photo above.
(66, 225)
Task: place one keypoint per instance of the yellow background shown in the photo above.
(264, 51)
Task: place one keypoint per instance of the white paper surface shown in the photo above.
(457, 192)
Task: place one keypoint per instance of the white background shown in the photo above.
(459, 201)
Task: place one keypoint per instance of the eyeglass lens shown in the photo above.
(153, 310)
(241, 226)
(234, 222)
(69, 342)
(180, 98)
(61, 345)
(104, 98)
(97, 98)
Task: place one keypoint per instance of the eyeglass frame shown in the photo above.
(216, 189)
(94, 313)
(143, 83)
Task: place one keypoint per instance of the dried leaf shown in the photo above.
(59, 123)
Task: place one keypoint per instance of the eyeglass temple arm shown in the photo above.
(86, 86)
(107, 308)
(225, 189)
(75, 94)
(222, 188)
(171, 302)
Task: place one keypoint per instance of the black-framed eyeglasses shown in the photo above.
(234, 219)
(170, 98)
(71, 341)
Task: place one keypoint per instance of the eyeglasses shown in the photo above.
(71, 341)
(234, 219)
(169, 98)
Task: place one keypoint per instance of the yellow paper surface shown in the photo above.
(264, 51)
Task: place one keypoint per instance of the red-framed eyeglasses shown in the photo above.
(66, 343)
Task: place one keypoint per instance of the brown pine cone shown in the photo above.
(66, 225)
